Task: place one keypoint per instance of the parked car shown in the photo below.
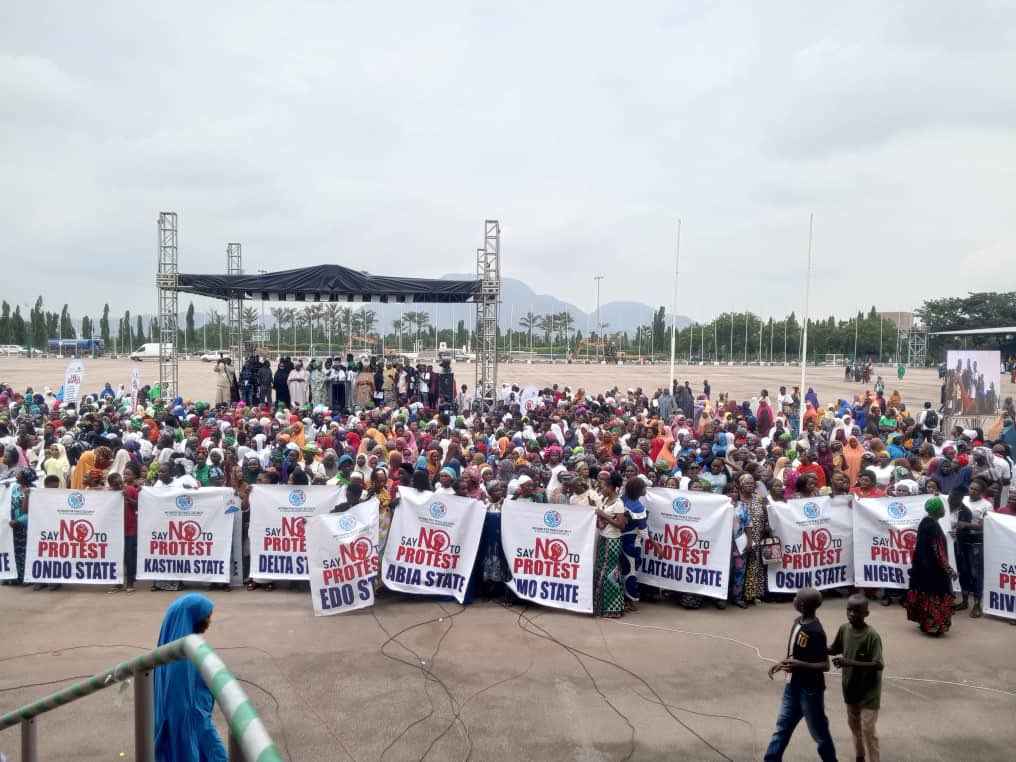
(148, 352)
(11, 350)
(214, 355)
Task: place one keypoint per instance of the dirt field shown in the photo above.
(414, 679)
(198, 382)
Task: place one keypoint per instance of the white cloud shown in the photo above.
(381, 136)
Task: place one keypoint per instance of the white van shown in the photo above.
(149, 352)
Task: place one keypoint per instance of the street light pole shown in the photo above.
(673, 314)
(599, 326)
(804, 337)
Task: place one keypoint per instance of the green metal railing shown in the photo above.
(248, 738)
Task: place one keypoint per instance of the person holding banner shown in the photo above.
(608, 598)
(758, 529)
(19, 520)
(633, 534)
(930, 596)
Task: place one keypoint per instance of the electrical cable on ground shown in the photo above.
(428, 673)
(758, 653)
(575, 652)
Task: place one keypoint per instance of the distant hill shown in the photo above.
(517, 298)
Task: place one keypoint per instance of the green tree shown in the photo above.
(19, 331)
(139, 333)
(86, 327)
(5, 324)
(660, 330)
(249, 318)
(104, 325)
(37, 325)
(191, 332)
(66, 327)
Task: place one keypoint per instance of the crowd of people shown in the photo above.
(599, 450)
(373, 428)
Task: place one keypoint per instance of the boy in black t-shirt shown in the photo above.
(804, 694)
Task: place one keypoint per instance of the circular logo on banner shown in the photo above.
(76, 500)
(552, 519)
(438, 510)
(190, 530)
(297, 498)
(361, 548)
(184, 502)
(812, 511)
(897, 510)
(347, 522)
(687, 537)
(681, 505)
(81, 530)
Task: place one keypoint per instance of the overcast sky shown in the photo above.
(380, 135)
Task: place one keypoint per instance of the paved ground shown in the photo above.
(197, 379)
(416, 679)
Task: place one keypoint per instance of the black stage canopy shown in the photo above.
(329, 283)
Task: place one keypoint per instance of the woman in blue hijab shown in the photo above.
(184, 731)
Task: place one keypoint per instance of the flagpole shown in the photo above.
(804, 335)
(673, 315)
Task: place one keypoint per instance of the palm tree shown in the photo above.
(417, 321)
(529, 321)
(249, 318)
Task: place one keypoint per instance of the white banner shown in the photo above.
(135, 387)
(75, 537)
(277, 531)
(693, 532)
(529, 398)
(885, 532)
(551, 552)
(432, 543)
(817, 542)
(999, 565)
(8, 569)
(185, 535)
(73, 378)
(343, 556)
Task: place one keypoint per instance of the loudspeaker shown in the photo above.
(446, 386)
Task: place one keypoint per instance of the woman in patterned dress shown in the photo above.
(739, 560)
(608, 597)
(754, 577)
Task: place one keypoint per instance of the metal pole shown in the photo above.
(785, 321)
(760, 328)
(804, 337)
(29, 742)
(599, 325)
(746, 338)
(673, 314)
(772, 330)
(855, 339)
(144, 716)
(731, 337)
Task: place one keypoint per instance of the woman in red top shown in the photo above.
(807, 467)
(129, 486)
(866, 486)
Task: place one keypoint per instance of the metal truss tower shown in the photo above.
(488, 273)
(234, 309)
(917, 346)
(166, 282)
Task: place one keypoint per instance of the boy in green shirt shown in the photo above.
(861, 663)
